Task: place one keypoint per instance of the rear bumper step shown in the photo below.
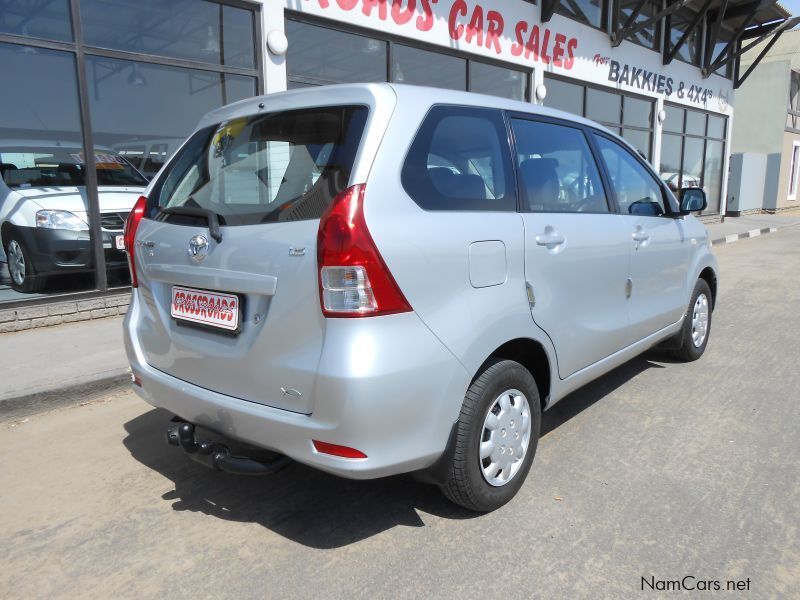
(218, 456)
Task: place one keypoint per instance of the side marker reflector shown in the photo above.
(336, 450)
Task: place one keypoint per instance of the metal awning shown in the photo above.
(738, 24)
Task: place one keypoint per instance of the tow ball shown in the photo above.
(218, 456)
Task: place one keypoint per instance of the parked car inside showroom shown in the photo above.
(44, 223)
(378, 279)
(686, 181)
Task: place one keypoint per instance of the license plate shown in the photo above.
(119, 242)
(205, 308)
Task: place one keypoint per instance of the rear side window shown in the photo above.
(285, 166)
(460, 160)
(557, 171)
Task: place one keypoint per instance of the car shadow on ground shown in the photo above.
(316, 509)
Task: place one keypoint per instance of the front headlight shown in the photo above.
(60, 219)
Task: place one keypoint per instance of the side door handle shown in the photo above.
(550, 239)
(640, 235)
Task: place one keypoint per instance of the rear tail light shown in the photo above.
(354, 280)
(337, 450)
(129, 234)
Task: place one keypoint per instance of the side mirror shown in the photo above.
(645, 208)
(693, 200)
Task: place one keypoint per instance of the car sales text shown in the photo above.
(653, 82)
(471, 24)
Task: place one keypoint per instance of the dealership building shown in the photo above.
(131, 80)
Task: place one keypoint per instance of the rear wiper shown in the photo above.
(210, 216)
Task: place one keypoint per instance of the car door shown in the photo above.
(658, 247)
(576, 247)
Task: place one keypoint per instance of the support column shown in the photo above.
(537, 79)
(655, 151)
(274, 70)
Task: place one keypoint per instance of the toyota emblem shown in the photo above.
(198, 248)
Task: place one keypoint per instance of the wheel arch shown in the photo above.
(710, 277)
(532, 355)
(5, 232)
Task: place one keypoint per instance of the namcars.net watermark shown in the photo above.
(690, 583)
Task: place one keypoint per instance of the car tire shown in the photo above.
(508, 391)
(696, 327)
(20, 267)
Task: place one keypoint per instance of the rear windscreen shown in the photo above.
(268, 168)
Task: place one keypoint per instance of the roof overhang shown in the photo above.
(739, 24)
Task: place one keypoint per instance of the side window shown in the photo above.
(557, 171)
(638, 191)
(460, 160)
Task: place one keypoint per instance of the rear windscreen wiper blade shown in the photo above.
(189, 211)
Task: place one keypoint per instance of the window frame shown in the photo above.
(794, 171)
(81, 51)
(391, 40)
(611, 203)
(671, 208)
(705, 137)
(511, 203)
(585, 86)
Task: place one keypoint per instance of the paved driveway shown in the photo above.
(658, 470)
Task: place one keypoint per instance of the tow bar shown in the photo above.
(218, 456)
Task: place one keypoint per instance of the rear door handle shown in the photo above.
(640, 236)
(550, 239)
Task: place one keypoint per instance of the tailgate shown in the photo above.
(279, 337)
(232, 222)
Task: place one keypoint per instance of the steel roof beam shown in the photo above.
(777, 31)
(630, 28)
(669, 55)
(548, 8)
(738, 81)
(727, 52)
(742, 10)
(713, 35)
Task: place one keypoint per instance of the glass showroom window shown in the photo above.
(713, 52)
(320, 56)
(677, 24)
(422, 67)
(323, 55)
(693, 152)
(590, 12)
(793, 109)
(649, 35)
(150, 70)
(48, 20)
(185, 29)
(624, 114)
(44, 218)
(497, 81)
(793, 170)
(564, 95)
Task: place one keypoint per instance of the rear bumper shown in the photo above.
(385, 386)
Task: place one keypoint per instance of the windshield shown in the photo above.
(27, 167)
(283, 166)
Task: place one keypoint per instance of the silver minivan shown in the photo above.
(377, 279)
